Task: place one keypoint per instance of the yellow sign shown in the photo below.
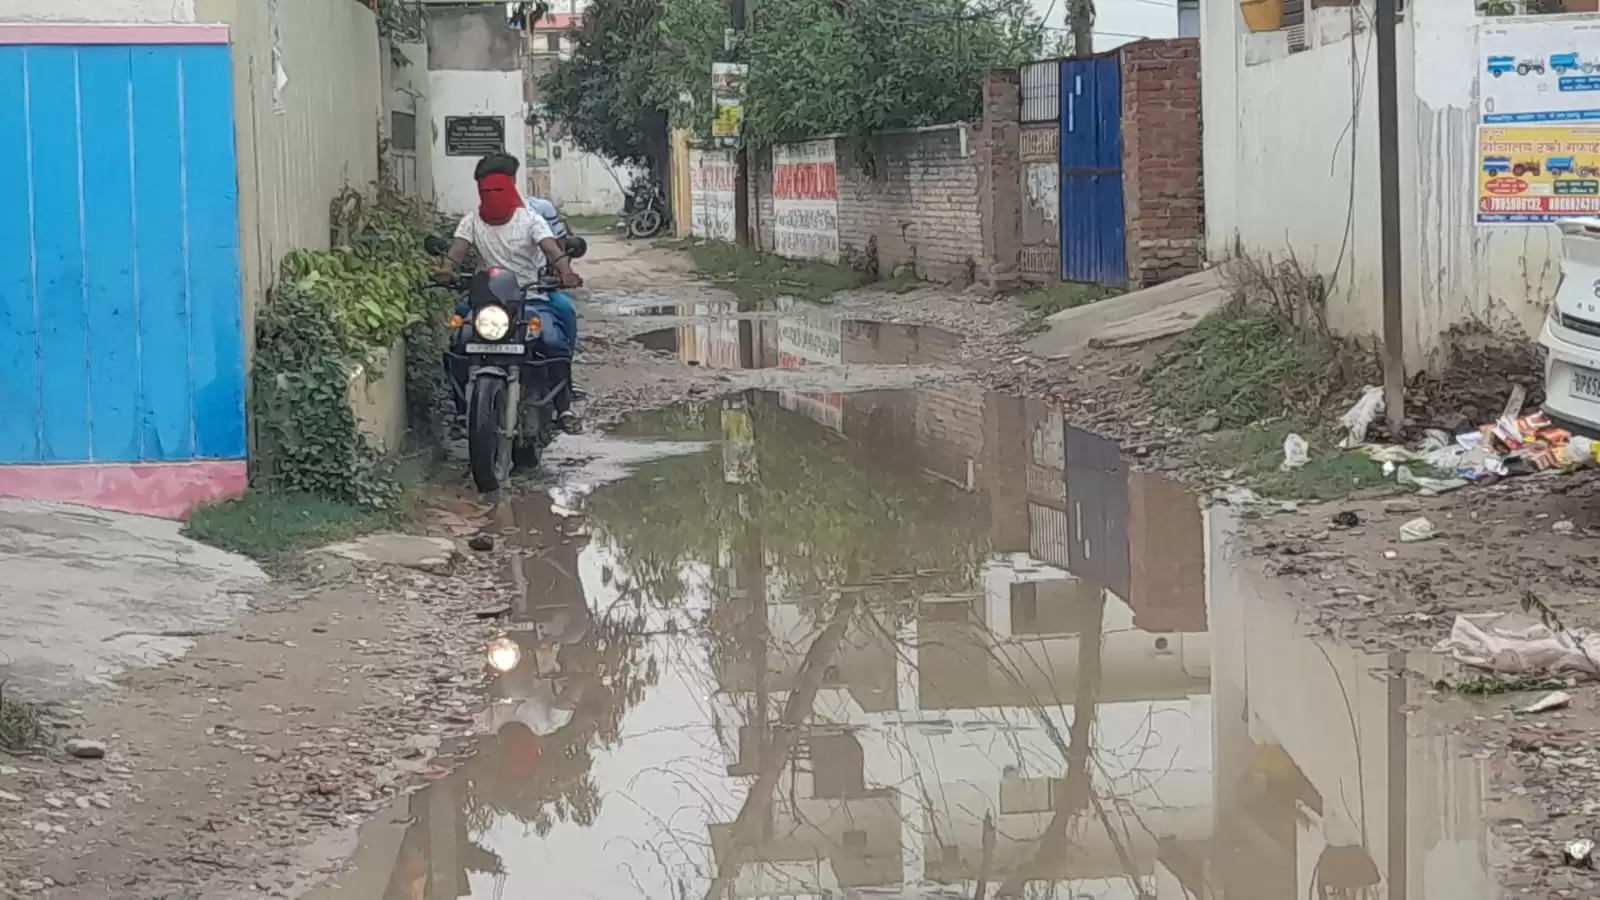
(726, 123)
(1537, 173)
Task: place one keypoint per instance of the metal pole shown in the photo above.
(1394, 367)
(738, 20)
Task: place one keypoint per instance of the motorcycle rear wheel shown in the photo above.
(489, 444)
(645, 223)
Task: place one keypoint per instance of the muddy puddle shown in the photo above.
(920, 644)
(793, 339)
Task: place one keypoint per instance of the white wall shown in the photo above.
(477, 93)
(143, 11)
(1261, 147)
(583, 184)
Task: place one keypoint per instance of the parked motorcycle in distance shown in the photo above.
(518, 358)
(646, 209)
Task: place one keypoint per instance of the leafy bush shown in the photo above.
(330, 317)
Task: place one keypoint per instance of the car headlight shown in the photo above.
(504, 653)
(491, 323)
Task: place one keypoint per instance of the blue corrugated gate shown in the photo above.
(1091, 172)
(120, 319)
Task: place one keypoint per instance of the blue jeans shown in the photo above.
(569, 316)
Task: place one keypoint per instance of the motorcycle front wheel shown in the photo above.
(489, 442)
(645, 223)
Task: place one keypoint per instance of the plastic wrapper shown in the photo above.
(1296, 452)
(1360, 417)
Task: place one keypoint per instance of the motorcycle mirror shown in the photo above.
(435, 245)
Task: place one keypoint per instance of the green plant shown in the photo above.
(264, 524)
(331, 316)
(23, 724)
(758, 278)
(1050, 299)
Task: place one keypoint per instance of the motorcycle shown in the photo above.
(518, 358)
(646, 210)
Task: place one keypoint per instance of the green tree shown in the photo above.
(816, 67)
(862, 66)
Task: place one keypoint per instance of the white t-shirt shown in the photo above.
(514, 245)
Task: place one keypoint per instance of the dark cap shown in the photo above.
(496, 163)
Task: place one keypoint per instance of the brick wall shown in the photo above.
(1161, 159)
(906, 199)
(910, 200)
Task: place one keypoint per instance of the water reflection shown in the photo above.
(938, 644)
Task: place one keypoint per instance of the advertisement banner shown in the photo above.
(1539, 72)
(711, 194)
(1537, 173)
(805, 201)
(727, 101)
(812, 340)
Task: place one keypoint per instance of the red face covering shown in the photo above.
(497, 198)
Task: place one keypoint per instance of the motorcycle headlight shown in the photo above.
(491, 323)
(504, 653)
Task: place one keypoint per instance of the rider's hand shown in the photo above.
(444, 274)
(571, 279)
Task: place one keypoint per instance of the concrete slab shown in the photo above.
(429, 554)
(85, 594)
(1133, 318)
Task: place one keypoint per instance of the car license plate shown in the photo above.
(513, 349)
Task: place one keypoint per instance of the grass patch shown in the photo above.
(758, 278)
(23, 724)
(591, 223)
(1491, 685)
(1256, 452)
(1245, 367)
(267, 524)
(1050, 299)
(904, 283)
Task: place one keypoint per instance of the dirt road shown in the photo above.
(814, 613)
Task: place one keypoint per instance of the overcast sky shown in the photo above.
(1116, 21)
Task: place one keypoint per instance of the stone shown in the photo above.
(84, 748)
(1207, 424)
(427, 554)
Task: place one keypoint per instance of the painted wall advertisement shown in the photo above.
(1537, 173)
(812, 340)
(711, 194)
(727, 103)
(805, 201)
(1539, 130)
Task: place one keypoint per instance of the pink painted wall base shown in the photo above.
(166, 490)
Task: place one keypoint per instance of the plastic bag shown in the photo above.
(1361, 416)
(1296, 452)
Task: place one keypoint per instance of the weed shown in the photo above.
(758, 278)
(903, 283)
(1255, 454)
(1489, 685)
(1244, 367)
(23, 724)
(266, 524)
(590, 224)
(1047, 300)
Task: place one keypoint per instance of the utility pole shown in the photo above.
(1394, 364)
(741, 178)
(1080, 18)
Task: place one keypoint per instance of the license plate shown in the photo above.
(512, 349)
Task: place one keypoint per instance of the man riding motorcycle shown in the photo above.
(508, 236)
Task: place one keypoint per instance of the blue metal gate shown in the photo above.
(1091, 172)
(120, 316)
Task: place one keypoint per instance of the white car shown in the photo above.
(1571, 333)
